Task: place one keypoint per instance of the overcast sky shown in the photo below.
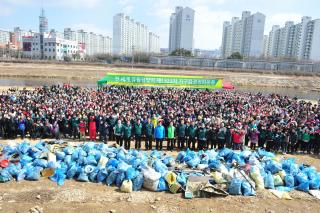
(96, 15)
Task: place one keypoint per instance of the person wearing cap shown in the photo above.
(127, 133)
(159, 134)
(171, 136)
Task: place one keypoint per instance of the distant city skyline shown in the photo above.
(97, 15)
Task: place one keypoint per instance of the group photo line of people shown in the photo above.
(159, 118)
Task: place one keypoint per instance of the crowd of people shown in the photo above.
(162, 118)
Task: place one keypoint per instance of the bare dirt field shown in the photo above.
(73, 196)
(92, 73)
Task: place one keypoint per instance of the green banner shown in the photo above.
(161, 80)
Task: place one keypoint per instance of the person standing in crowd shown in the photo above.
(192, 133)
(237, 138)
(293, 140)
(171, 136)
(137, 134)
(127, 131)
(92, 128)
(159, 134)
(262, 137)
(221, 136)
(305, 139)
(149, 131)
(22, 128)
(202, 137)
(278, 140)
(118, 132)
(75, 127)
(270, 139)
(55, 130)
(317, 143)
(286, 141)
(228, 137)
(103, 131)
(181, 129)
(254, 138)
(82, 130)
(312, 140)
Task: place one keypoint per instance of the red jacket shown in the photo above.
(237, 136)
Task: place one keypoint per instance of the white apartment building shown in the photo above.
(70, 34)
(265, 45)
(300, 41)
(54, 48)
(4, 38)
(244, 35)
(154, 43)
(274, 37)
(131, 37)
(181, 29)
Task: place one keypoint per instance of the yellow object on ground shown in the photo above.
(126, 186)
(171, 178)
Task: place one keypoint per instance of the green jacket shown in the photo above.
(118, 129)
(202, 134)
(306, 137)
(171, 130)
(75, 122)
(181, 130)
(149, 129)
(138, 129)
(192, 131)
(127, 131)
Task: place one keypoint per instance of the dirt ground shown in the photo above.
(92, 73)
(73, 196)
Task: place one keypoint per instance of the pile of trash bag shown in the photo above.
(241, 173)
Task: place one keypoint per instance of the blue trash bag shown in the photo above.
(9, 150)
(284, 188)
(311, 172)
(102, 175)
(162, 186)
(87, 147)
(33, 173)
(304, 186)
(13, 169)
(155, 154)
(97, 155)
(160, 167)
(111, 179)
(41, 146)
(111, 155)
(193, 163)
(214, 164)
(81, 159)
(131, 173)
(245, 154)
(34, 152)
(23, 147)
(301, 178)
(235, 187)
(58, 177)
(273, 166)
(121, 155)
(64, 167)
(113, 162)
(120, 178)
(72, 171)
(60, 155)
(181, 156)
(235, 157)
(269, 181)
(111, 169)
(83, 177)
(68, 150)
(226, 153)
(88, 169)
(135, 162)
(289, 180)
(90, 160)
(168, 160)
(137, 182)
(204, 159)
(21, 175)
(5, 174)
(264, 153)
(247, 189)
(68, 159)
(75, 154)
(182, 179)
(123, 167)
(25, 159)
(314, 183)
(41, 163)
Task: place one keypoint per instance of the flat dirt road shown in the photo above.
(91, 73)
(73, 196)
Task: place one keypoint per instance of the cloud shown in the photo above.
(57, 3)
(5, 10)
(280, 19)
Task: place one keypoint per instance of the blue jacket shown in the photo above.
(159, 132)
